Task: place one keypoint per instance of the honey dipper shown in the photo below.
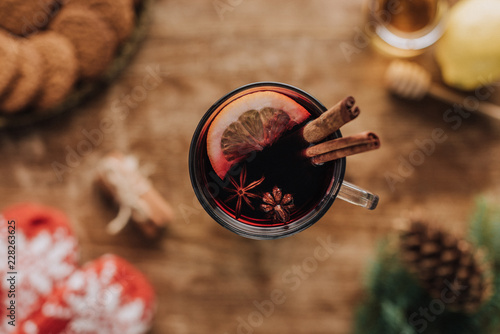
(410, 80)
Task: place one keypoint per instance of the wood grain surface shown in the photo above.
(209, 280)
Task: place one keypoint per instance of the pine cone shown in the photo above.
(447, 267)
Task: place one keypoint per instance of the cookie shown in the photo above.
(94, 41)
(28, 82)
(8, 61)
(60, 68)
(24, 17)
(118, 14)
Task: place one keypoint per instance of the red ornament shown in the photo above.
(53, 295)
(43, 254)
(107, 295)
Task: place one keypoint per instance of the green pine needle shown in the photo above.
(396, 304)
(485, 230)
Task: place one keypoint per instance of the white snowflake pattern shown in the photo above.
(41, 262)
(96, 304)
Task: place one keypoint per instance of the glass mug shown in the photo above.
(405, 28)
(288, 187)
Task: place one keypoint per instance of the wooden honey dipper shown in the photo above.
(410, 80)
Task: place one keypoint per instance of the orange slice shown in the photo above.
(249, 124)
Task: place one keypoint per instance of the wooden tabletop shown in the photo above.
(207, 279)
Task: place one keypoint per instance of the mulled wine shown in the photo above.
(251, 166)
(286, 185)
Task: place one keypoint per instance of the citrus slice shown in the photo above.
(249, 124)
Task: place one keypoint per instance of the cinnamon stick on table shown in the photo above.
(342, 147)
(331, 120)
(139, 201)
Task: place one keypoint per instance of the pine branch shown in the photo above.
(485, 231)
(396, 304)
(394, 295)
(488, 317)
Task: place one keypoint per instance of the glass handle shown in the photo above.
(355, 195)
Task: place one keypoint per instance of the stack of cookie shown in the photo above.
(49, 46)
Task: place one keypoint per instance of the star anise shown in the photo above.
(242, 192)
(277, 205)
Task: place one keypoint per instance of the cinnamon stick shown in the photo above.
(139, 201)
(342, 147)
(331, 120)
